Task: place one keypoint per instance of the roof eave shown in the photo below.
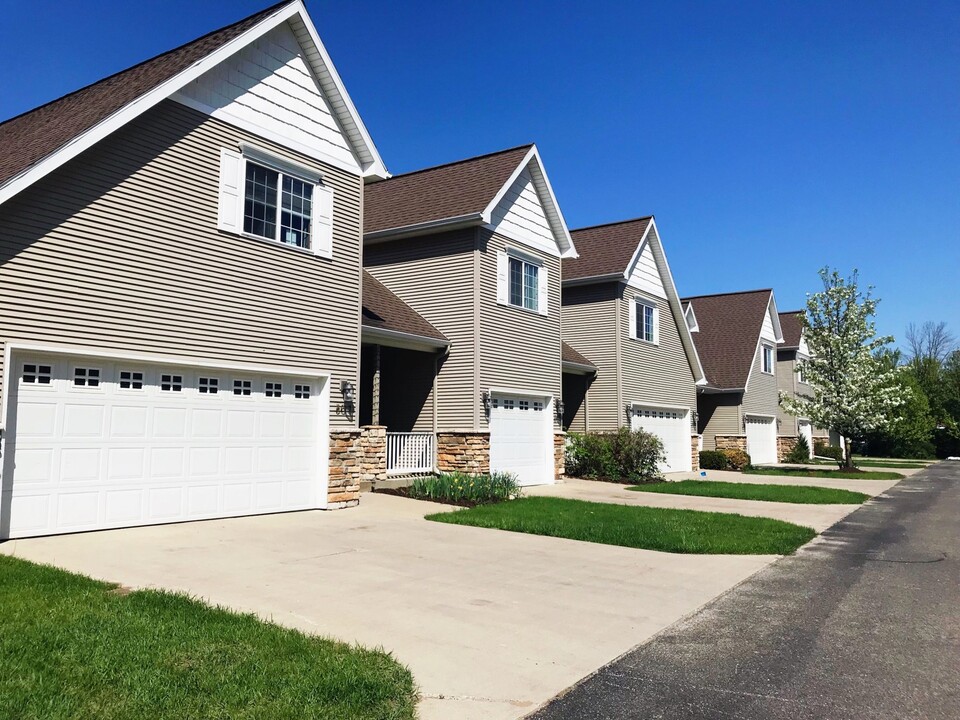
(576, 368)
(426, 228)
(592, 279)
(395, 338)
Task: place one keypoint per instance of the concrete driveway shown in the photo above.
(492, 624)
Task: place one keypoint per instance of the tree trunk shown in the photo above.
(848, 454)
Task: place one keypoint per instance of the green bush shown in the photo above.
(736, 459)
(624, 456)
(822, 449)
(800, 453)
(713, 460)
(465, 489)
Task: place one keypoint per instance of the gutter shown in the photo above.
(424, 228)
(395, 338)
(610, 277)
(577, 368)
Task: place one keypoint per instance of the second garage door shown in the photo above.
(97, 443)
(672, 426)
(762, 440)
(521, 437)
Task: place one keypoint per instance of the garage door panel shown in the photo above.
(761, 440)
(521, 438)
(672, 426)
(109, 444)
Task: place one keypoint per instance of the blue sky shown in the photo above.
(769, 139)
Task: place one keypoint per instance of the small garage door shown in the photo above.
(521, 437)
(95, 444)
(673, 429)
(806, 431)
(762, 440)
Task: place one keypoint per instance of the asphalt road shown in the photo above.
(863, 623)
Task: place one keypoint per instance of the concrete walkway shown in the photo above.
(818, 517)
(491, 623)
(870, 487)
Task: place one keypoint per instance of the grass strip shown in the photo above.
(668, 530)
(800, 494)
(827, 474)
(72, 647)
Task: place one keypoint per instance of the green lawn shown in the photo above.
(814, 473)
(678, 531)
(896, 465)
(72, 647)
(749, 491)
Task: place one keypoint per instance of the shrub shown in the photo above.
(800, 453)
(465, 489)
(624, 456)
(736, 459)
(829, 451)
(713, 460)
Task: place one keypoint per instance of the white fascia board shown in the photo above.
(548, 199)
(575, 368)
(593, 279)
(775, 317)
(346, 110)
(425, 228)
(652, 234)
(395, 338)
(689, 312)
(150, 99)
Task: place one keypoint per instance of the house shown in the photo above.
(737, 335)
(790, 382)
(474, 248)
(180, 264)
(621, 310)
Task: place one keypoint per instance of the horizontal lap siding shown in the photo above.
(589, 327)
(786, 383)
(658, 374)
(434, 275)
(719, 415)
(519, 349)
(119, 249)
(761, 396)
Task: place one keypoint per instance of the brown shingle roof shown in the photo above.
(569, 355)
(730, 325)
(384, 310)
(27, 139)
(791, 328)
(605, 249)
(446, 191)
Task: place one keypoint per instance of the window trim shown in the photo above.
(633, 317)
(524, 262)
(280, 175)
(764, 349)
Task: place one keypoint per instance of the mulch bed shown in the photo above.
(404, 492)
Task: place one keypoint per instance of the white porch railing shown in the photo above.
(409, 453)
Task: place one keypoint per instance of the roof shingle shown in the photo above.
(384, 310)
(29, 138)
(730, 325)
(605, 249)
(569, 355)
(791, 327)
(446, 191)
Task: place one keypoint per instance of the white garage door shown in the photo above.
(94, 443)
(673, 429)
(806, 430)
(521, 437)
(762, 440)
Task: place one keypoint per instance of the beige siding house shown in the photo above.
(180, 266)
(737, 336)
(475, 248)
(622, 312)
(790, 381)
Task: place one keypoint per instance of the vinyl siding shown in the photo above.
(646, 275)
(589, 326)
(520, 214)
(787, 384)
(761, 396)
(406, 388)
(119, 249)
(658, 374)
(719, 415)
(518, 349)
(434, 275)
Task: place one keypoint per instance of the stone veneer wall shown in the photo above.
(467, 452)
(355, 455)
(785, 445)
(695, 453)
(559, 455)
(732, 442)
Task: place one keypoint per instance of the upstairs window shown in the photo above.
(644, 321)
(521, 282)
(275, 199)
(767, 365)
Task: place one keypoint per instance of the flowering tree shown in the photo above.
(854, 393)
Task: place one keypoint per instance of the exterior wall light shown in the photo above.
(560, 408)
(349, 392)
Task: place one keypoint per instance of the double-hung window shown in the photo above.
(273, 199)
(767, 365)
(643, 321)
(521, 281)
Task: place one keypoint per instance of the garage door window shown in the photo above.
(209, 386)
(274, 389)
(171, 383)
(86, 377)
(37, 374)
(301, 392)
(131, 380)
(242, 387)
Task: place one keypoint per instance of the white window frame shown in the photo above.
(637, 303)
(233, 174)
(503, 280)
(800, 377)
(764, 350)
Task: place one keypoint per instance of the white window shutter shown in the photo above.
(633, 318)
(503, 278)
(322, 221)
(543, 281)
(656, 325)
(228, 210)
